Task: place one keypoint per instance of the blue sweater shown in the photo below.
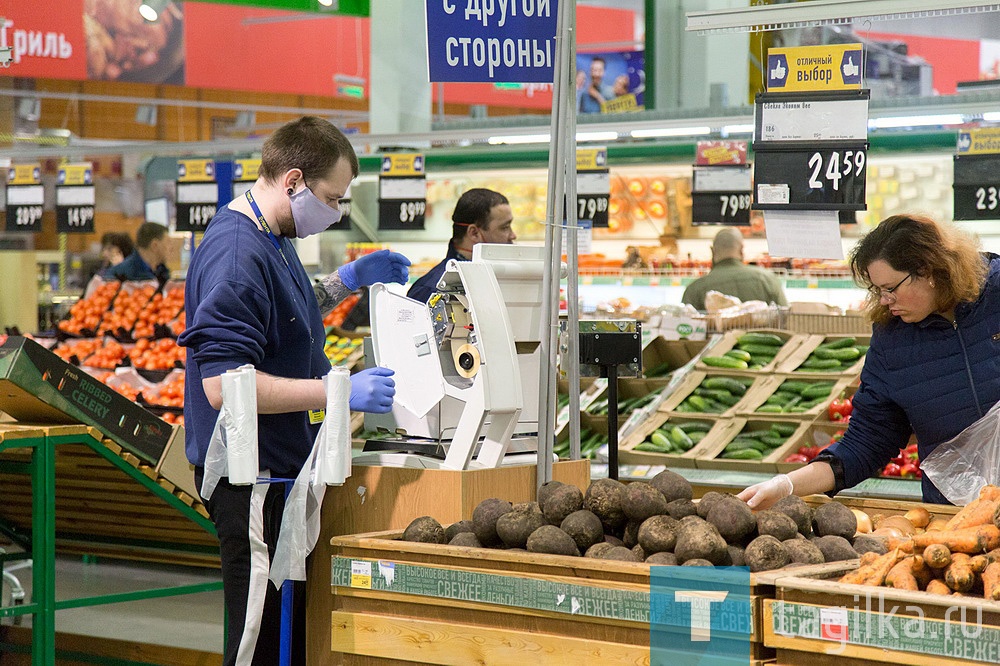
(930, 378)
(135, 268)
(244, 306)
(422, 289)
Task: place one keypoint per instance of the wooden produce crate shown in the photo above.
(664, 356)
(694, 379)
(629, 456)
(795, 360)
(398, 602)
(816, 434)
(708, 457)
(590, 390)
(814, 619)
(851, 323)
(847, 392)
(767, 388)
(731, 339)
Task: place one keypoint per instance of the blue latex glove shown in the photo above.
(382, 266)
(372, 390)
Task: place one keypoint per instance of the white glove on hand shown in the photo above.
(766, 494)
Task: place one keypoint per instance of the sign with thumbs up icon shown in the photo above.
(810, 68)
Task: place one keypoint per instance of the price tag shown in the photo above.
(977, 187)
(75, 209)
(196, 205)
(24, 208)
(593, 186)
(398, 214)
(817, 116)
(361, 574)
(831, 177)
(730, 208)
(402, 202)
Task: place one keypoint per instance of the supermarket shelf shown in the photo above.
(677, 281)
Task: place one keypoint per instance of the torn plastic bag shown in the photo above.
(232, 451)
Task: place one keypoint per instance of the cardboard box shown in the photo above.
(674, 327)
(796, 359)
(629, 456)
(669, 354)
(770, 385)
(708, 457)
(174, 465)
(38, 386)
(694, 379)
(731, 338)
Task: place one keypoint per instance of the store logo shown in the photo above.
(685, 330)
(777, 71)
(850, 67)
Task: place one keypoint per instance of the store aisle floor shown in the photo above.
(192, 621)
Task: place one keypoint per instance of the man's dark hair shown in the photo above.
(310, 144)
(598, 59)
(473, 208)
(148, 233)
(118, 239)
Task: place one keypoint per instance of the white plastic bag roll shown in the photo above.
(232, 451)
(329, 463)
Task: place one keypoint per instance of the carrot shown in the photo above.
(874, 573)
(978, 563)
(938, 586)
(993, 555)
(959, 575)
(904, 544)
(921, 572)
(977, 512)
(937, 555)
(969, 540)
(901, 576)
(990, 492)
(991, 582)
(868, 558)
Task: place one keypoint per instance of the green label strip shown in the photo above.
(962, 636)
(513, 591)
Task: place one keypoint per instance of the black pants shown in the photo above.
(247, 520)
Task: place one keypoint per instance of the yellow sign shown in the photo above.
(24, 174)
(76, 174)
(246, 169)
(826, 67)
(591, 159)
(195, 171)
(403, 164)
(361, 574)
(979, 141)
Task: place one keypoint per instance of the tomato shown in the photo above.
(840, 409)
(910, 471)
(809, 452)
(892, 469)
(796, 458)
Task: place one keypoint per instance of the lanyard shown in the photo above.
(270, 234)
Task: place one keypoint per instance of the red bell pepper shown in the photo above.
(796, 458)
(840, 409)
(909, 471)
(892, 469)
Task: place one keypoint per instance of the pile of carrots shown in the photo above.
(961, 557)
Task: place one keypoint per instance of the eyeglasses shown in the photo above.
(890, 293)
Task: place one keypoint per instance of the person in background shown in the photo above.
(115, 246)
(933, 367)
(620, 86)
(730, 276)
(249, 301)
(148, 260)
(480, 216)
(581, 86)
(598, 91)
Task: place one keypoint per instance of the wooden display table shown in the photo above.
(385, 498)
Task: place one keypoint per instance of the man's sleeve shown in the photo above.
(693, 296)
(228, 328)
(419, 292)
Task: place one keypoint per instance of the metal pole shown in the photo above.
(550, 279)
(572, 360)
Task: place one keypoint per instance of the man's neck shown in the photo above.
(148, 257)
(268, 199)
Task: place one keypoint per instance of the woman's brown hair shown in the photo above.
(919, 245)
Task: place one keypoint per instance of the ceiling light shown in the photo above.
(992, 117)
(916, 121)
(670, 131)
(326, 3)
(737, 129)
(596, 136)
(150, 9)
(519, 138)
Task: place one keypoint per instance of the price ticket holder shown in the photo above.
(721, 184)
(25, 198)
(402, 192)
(604, 346)
(977, 175)
(593, 186)
(75, 198)
(197, 194)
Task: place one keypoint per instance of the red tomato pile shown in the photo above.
(905, 465)
(807, 453)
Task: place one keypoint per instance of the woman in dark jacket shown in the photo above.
(933, 368)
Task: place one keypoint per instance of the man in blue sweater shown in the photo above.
(148, 260)
(249, 301)
(481, 216)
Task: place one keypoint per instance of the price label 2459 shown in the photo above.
(838, 166)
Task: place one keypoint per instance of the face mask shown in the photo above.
(311, 215)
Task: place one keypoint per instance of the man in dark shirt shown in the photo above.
(148, 259)
(481, 216)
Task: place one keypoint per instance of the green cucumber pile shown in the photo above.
(627, 406)
(836, 356)
(756, 442)
(795, 397)
(590, 442)
(715, 395)
(659, 371)
(752, 351)
(675, 438)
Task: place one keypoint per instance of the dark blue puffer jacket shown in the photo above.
(931, 378)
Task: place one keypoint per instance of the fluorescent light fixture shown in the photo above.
(992, 117)
(916, 121)
(670, 131)
(596, 136)
(737, 129)
(326, 3)
(519, 138)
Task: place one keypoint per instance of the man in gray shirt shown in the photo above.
(730, 276)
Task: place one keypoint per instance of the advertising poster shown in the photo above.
(610, 82)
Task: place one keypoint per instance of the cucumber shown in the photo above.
(761, 359)
(773, 441)
(760, 339)
(726, 384)
(770, 409)
(784, 429)
(661, 440)
(747, 382)
(817, 390)
(685, 408)
(697, 402)
(725, 362)
(743, 454)
(696, 437)
(862, 348)
(763, 350)
(659, 371)
(651, 448)
(797, 409)
(680, 439)
(780, 397)
(692, 427)
(838, 344)
(794, 386)
(845, 354)
(725, 397)
(813, 363)
(740, 354)
(738, 444)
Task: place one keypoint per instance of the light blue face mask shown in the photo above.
(311, 215)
